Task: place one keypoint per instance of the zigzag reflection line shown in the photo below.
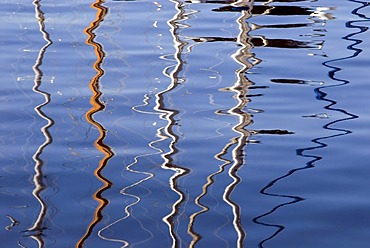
(294, 199)
(241, 89)
(128, 168)
(137, 199)
(164, 114)
(128, 207)
(321, 95)
(97, 106)
(210, 180)
(168, 115)
(239, 56)
(38, 177)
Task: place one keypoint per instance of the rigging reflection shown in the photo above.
(36, 231)
(97, 106)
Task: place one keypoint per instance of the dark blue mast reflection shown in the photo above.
(319, 142)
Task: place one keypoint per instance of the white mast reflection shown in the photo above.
(241, 56)
(40, 186)
(168, 115)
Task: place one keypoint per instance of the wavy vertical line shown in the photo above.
(169, 114)
(38, 226)
(163, 133)
(210, 180)
(137, 199)
(293, 199)
(123, 191)
(321, 95)
(320, 144)
(241, 56)
(97, 106)
(241, 89)
(148, 175)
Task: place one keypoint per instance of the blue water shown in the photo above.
(184, 124)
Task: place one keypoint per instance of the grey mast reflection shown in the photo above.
(265, 9)
(240, 89)
(36, 231)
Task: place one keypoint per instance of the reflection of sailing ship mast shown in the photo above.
(246, 59)
(240, 88)
(40, 186)
(319, 143)
(97, 106)
(169, 115)
(293, 199)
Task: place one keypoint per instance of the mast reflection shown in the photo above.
(169, 115)
(241, 88)
(36, 231)
(236, 147)
(97, 106)
(319, 143)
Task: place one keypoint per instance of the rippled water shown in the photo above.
(184, 123)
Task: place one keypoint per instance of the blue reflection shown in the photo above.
(320, 142)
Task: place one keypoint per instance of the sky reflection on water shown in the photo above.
(184, 124)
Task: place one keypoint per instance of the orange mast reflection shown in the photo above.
(97, 106)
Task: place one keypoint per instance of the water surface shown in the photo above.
(184, 124)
